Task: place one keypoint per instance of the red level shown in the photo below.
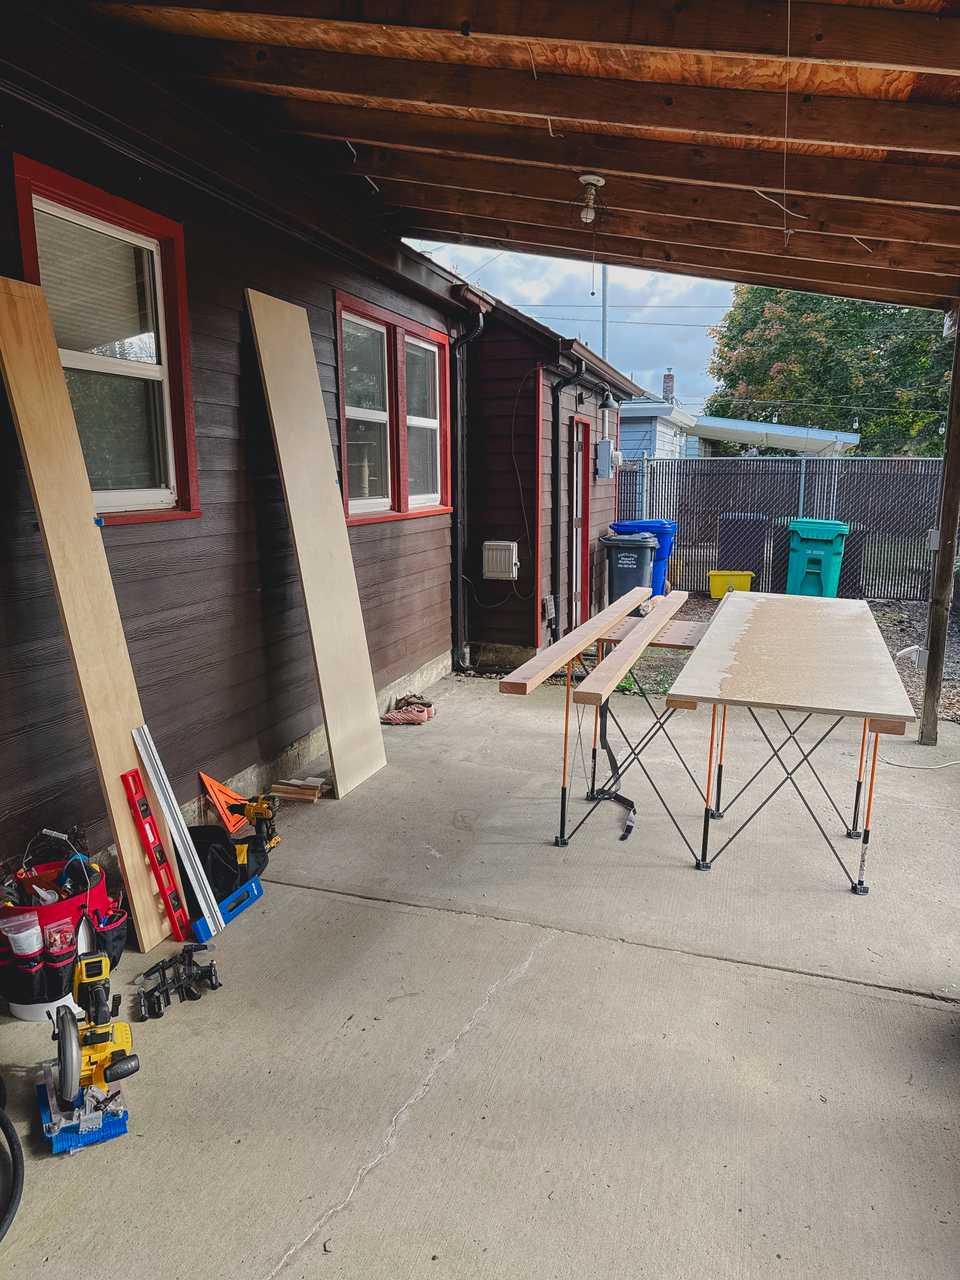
(153, 848)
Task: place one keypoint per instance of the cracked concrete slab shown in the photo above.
(464, 815)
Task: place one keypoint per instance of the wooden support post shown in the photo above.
(942, 586)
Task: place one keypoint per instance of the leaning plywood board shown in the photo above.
(606, 675)
(41, 408)
(803, 653)
(308, 469)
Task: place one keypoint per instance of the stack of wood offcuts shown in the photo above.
(307, 790)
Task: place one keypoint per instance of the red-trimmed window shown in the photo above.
(115, 283)
(394, 415)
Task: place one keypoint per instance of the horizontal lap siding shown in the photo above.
(211, 607)
(501, 461)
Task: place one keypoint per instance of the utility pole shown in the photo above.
(941, 589)
(603, 311)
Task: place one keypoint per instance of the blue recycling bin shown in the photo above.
(664, 531)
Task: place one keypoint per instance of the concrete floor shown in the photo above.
(446, 1048)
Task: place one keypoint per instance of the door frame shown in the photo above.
(581, 477)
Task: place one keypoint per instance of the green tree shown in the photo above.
(836, 363)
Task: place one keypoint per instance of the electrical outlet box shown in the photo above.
(605, 452)
(500, 561)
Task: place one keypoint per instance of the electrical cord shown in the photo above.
(16, 1165)
(902, 764)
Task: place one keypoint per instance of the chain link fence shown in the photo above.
(734, 513)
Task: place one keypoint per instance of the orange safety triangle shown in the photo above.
(220, 798)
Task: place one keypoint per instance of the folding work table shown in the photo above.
(785, 654)
(801, 654)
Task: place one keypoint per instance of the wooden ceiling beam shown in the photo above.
(737, 113)
(892, 39)
(792, 274)
(677, 232)
(909, 184)
(470, 237)
(639, 195)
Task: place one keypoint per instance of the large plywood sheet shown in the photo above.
(37, 391)
(308, 469)
(795, 652)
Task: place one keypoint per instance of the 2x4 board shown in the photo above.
(308, 470)
(40, 403)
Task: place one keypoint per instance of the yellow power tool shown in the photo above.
(84, 1102)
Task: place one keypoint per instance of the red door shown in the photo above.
(581, 468)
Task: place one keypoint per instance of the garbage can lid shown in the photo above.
(824, 529)
(630, 540)
(644, 526)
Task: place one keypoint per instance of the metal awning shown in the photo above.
(776, 435)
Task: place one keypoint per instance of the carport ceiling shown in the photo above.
(808, 145)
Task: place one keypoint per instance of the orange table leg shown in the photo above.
(701, 863)
(860, 888)
(561, 839)
(592, 793)
(717, 810)
(853, 831)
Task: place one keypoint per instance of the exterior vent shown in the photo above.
(500, 561)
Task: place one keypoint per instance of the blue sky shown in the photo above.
(656, 320)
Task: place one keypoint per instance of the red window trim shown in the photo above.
(32, 178)
(398, 328)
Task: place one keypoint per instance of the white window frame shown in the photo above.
(425, 499)
(108, 501)
(361, 506)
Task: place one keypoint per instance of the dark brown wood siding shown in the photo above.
(503, 376)
(211, 607)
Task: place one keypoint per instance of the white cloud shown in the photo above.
(656, 320)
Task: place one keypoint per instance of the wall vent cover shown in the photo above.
(500, 561)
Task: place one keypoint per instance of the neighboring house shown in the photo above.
(653, 428)
(144, 258)
(534, 431)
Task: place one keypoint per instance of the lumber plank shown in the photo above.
(404, 84)
(43, 415)
(298, 421)
(799, 653)
(606, 675)
(820, 32)
(532, 674)
(913, 184)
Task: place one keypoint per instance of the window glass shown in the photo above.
(368, 460)
(364, 366)
(100, 290)
(422, 451)
(120, 421)
(421, 381)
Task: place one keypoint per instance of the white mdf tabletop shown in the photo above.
(800, 653)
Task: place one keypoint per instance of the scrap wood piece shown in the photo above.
(675, 635)
(221, 797)
(606, 675)
(301, 436)
(539, 668)
(47, 430)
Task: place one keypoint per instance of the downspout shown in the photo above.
(556, 531)
(458, 355)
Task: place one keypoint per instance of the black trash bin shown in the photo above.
(629, 562)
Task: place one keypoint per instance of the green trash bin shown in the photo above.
(816, 554)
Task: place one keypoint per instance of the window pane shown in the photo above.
(421, 382)
(422, 460)
(100, 290)
(364, 366)
(120, 424)
(368, 459)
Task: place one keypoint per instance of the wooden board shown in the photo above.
(799, 653)
(606, 675)
(675, 635)
(37, 391)
(539, 668)
(308, 469)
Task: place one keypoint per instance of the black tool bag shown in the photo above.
(218, 857)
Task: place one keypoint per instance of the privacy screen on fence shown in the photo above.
(733, 513)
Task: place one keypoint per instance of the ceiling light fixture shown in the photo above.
(593, 183)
